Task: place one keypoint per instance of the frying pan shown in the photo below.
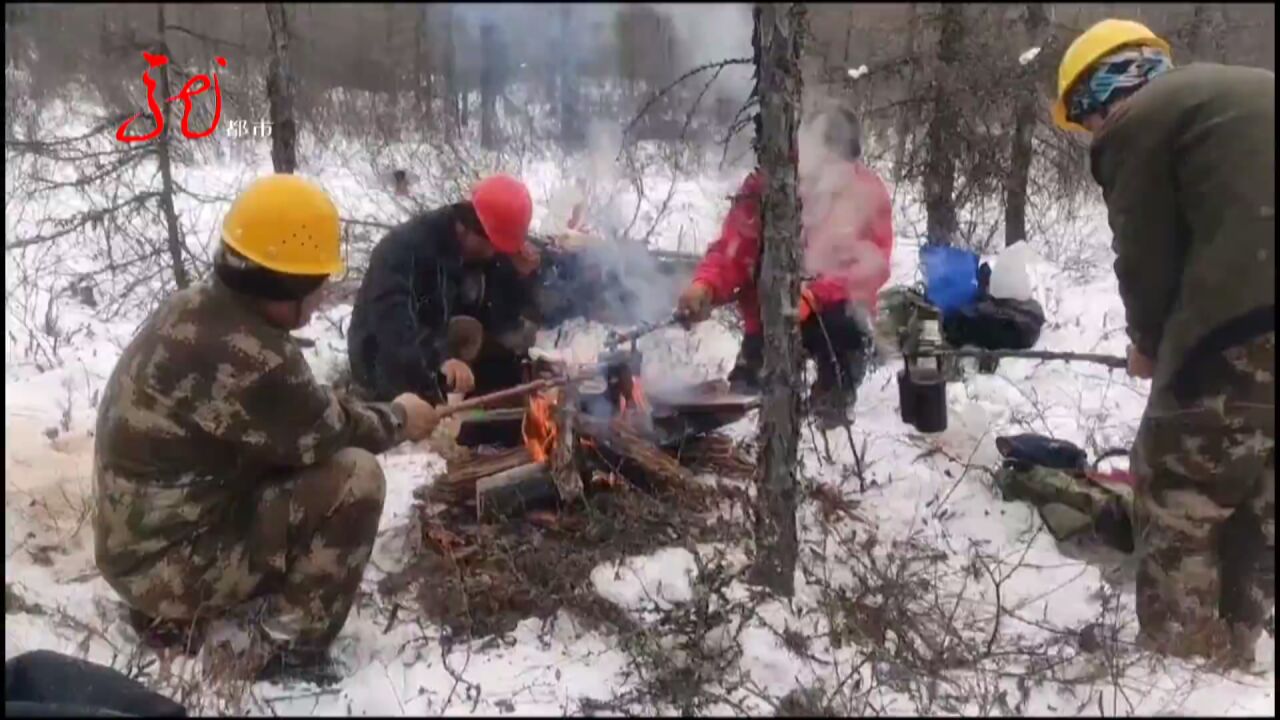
(697, 409)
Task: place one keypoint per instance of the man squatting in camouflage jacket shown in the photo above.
(224, 472)
(1186, 161)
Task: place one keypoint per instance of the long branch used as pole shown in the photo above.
(1112, 361)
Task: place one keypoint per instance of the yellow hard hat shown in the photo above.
(285, 223)
(1094, 44)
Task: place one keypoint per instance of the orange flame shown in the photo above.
(636, 401)
(539, 426)
(637, 395)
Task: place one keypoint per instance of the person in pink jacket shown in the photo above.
(848, 240)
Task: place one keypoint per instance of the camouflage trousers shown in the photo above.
(1205, 509)
(289, 558)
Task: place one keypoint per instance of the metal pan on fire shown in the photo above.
(687, 410)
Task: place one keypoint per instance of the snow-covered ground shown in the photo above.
(930, 490)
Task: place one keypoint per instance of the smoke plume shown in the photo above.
(837, 205)
(594, 207)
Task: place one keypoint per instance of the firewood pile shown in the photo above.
(594, 436)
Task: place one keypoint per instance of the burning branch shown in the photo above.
(628, 444)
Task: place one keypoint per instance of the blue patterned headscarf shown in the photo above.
(1115, 76)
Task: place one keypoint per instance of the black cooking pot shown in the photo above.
(922, 397)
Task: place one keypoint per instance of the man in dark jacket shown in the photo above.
(467, 259)
(1186, 161)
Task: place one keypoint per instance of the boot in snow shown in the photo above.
(744, 378)
(835, 392)
(301, 665)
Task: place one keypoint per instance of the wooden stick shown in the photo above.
(459, 483)
(564, 456)
(1111, 361)
(615, 340)
(716, 453)
(492, 415)
(508, 394)
(658, 465)
(514, 392)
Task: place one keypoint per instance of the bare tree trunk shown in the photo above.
(778, 40)
(848, 38)
(165, 160)
(571, 131)
(941, 224)
(450, 65)
(465, 83)
(1203, 32)
(284, 127)
(902, 126)
(549, 69)
(389, 47)
(423, 86)
(1024, 127)
(490, 68)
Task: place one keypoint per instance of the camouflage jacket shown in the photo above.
(208, 401)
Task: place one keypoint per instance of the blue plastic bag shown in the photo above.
(950, 277)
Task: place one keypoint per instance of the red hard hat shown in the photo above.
(505, 209)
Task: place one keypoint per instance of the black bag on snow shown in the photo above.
(995, 324)
(48, 684)
(1030, 449)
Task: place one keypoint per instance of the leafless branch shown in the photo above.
(718, 66)
(204, 37)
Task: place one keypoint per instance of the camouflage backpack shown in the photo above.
(1071, 499)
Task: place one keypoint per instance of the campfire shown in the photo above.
(600, 434)
(591, 470)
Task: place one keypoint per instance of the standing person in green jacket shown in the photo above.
(1186, 160)
(227, 480)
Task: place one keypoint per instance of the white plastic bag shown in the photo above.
(1011, 276)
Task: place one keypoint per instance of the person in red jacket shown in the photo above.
(848, 239)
